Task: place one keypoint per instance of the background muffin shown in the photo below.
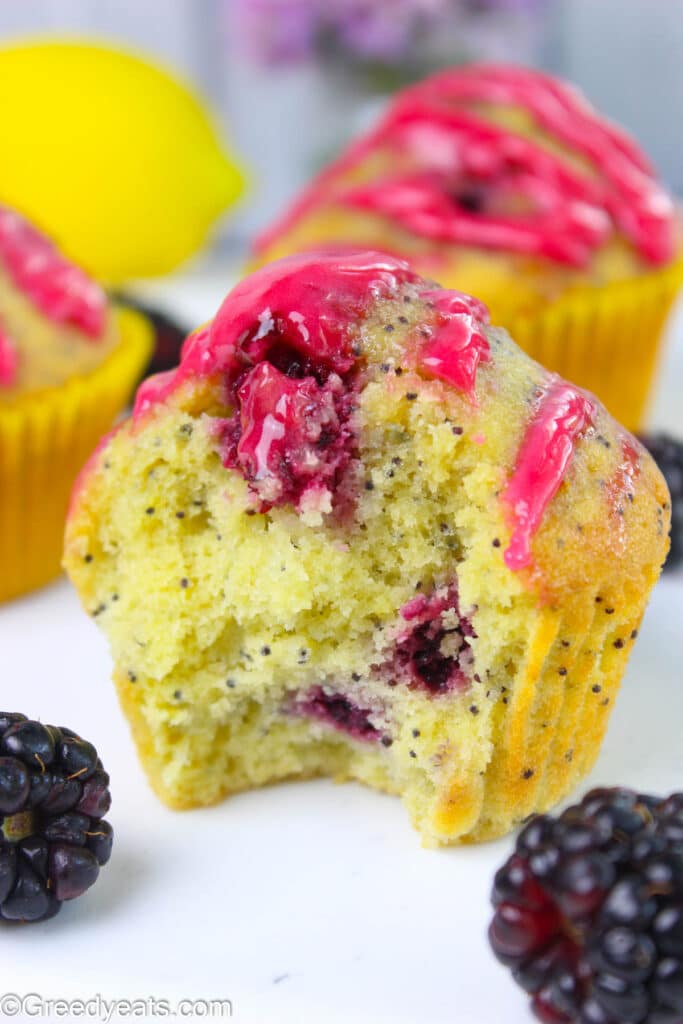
(503, 182)
(67, 365)
(358, 532)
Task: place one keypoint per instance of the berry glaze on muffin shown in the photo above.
(503, 182)
(54, 321)
(67, 364)
(358, 532)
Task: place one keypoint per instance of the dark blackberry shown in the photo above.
(589, 911)
(53, 795)
(668, 454)
(169, 335)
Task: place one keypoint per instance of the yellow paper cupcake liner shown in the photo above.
(547, 734)
(607, 339)
(45, 438)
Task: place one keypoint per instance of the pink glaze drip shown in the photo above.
(306, 303)
(458, 343)
(563, 414)
(9, 361)
(56, 287)
(621, 486)
(452, 158)
(283, 345)
(154, 390)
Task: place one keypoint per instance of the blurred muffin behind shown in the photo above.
(68, 363)
(503, 182)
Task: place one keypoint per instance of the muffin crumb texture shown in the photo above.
(359, 533)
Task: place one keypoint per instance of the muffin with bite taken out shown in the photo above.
(358, 532)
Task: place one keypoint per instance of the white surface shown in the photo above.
(325, 885)
(305, 903)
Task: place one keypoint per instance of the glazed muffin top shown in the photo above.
(318, 365)
(55, 322)
(491, 160)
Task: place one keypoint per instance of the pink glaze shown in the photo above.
(56, 287)
(450, 158)
(562, 416)
(285, 347)
(9, 361)
(283, 342)
(152, 391)
(458, 343)
(621, 486)
(306, 304)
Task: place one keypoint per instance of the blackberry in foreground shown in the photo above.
(589, 911)
(668, 454)
(54, 793)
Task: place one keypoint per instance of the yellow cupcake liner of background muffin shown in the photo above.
(45, 438)
(606, 338)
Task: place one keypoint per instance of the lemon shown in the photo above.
(110, 155)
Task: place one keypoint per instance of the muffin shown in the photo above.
(503, 182)
(358, 532)
(68, 363)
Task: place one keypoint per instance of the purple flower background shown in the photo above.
(291, 31)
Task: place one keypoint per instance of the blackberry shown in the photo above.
(589, 911)
(668, 454)
(54, 793)
(169, 335)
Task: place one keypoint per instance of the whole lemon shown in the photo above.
(110, 155)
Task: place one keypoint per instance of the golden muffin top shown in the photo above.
(312, 360)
